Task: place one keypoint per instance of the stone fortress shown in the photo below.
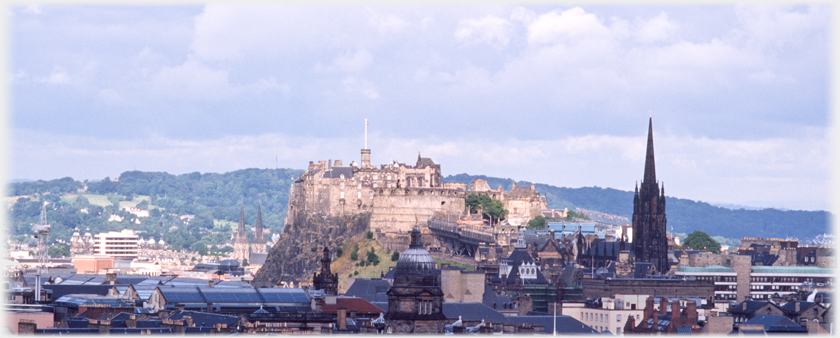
(397, 196)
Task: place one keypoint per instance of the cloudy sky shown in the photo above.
(554, 93)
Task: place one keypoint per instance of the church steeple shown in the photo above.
(650, 243)
(650, 166)
(258, 243)
(241, 246)
(241, 236)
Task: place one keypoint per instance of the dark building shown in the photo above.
(326, 280)
(649, 242)
(415, 301)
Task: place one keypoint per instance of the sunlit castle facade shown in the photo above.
(117, 244)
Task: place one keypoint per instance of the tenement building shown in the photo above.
(650, 244)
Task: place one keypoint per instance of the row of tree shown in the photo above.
(214, 201)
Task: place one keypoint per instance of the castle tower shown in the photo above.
(258, 243)
(649, 242)
(365, 158)
(241, 250)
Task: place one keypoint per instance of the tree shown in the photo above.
(491, 208)
(537, 223)
(699, 240)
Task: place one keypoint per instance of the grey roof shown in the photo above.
(336, 172)
(790, 307)
(371, 290)
(206, 319)
(60, 290)
(472, 312)
(565, 324)
(491, 299)
(773, 323)
(257, 258)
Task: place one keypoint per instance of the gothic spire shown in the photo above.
(240, 233)
(650, 167)
(259, 237)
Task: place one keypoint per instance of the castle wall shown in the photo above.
(398, 210)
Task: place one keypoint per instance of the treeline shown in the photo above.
(208, 197)
(684, 216)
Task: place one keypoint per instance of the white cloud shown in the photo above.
(389, 24)
(31, 9)
(658, 29)
(57, 76)
(192, 80)
(567, 26)
(349, 62)
(491, 30)
(360, 86)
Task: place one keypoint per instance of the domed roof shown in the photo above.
(415, 260)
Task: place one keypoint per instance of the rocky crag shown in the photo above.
(293, 258)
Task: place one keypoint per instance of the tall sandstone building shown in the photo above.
(397, 196)
(649, 242)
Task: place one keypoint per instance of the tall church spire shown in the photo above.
(650, 243)
(650, 166)
(241, 247)
(258, 243)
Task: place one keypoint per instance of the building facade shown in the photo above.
(117, 244)
(415, 300)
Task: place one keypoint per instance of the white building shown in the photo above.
(122, 244)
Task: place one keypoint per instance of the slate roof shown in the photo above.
(206, 319)
(751, 307)
(61, 290)
(790, 307)
(336, 172)
(773, 323)
(490, 298)
(257, 258)
(372, 290)
(565, 324)
(472, 312)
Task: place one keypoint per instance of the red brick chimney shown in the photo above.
(691, 311)
(663, 305)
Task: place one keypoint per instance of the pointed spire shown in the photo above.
(259, 237)
(240, 233)
(650, 167)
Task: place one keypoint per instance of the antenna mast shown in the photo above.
(366, 124)
(42, 233)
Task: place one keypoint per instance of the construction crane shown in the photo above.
(42, 233)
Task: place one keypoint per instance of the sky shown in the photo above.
(560, 94)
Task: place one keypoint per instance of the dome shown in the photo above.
(415, 260)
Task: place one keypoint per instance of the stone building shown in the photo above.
(415, 300)
(326, 280)
(81, 245)
(254, 251)
(649, 223)
(396, 194)
(241, 245)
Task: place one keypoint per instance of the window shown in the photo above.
(618, 318)
(360, 195)
(341, 195)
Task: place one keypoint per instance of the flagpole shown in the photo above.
(366, 124)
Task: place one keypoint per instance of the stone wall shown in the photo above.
(399, 210)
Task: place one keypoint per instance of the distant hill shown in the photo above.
(215, 199)
(685, 216)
